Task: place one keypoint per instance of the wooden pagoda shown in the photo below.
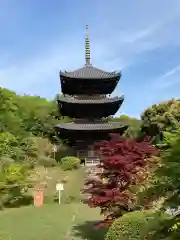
(85, 99)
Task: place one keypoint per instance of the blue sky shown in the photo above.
(139, 37)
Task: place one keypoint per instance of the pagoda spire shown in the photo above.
(87, 47)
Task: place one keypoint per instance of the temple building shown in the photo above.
(86, 99)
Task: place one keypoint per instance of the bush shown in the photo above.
(64, 151)
(30, 162)
(70, 163)
(13, 184)
(44, 146)
(135, 225)
(5, 161)
(46, 161)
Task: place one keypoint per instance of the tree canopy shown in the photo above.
(21, 115)
(164, 116)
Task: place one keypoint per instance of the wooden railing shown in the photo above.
(92, 161)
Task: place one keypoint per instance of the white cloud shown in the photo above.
(168, 79)
(36, 69)
(144, 29)
(25, 73)
(172, 71)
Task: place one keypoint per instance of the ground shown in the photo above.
(70, 220)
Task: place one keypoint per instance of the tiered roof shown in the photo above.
(90, 72)
(86, 80)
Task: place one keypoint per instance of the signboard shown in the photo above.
(38, 197)
(54, 148)
(105, 180)
(59, 187)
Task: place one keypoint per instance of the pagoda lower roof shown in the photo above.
(92, 126)
(91, 100)
(90, 72)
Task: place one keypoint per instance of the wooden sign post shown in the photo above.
(38, 197)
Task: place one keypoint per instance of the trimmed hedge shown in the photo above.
(134, 226)
(70, 163)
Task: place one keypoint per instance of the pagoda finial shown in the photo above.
(87, 47)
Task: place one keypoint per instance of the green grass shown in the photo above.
(53, 221)
(48, 177)
(84, 224)
(49, 222)
(73, 186)
(30, 223)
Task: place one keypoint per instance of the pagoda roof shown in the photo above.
(92, 100)
(92, 126)
(90, 72)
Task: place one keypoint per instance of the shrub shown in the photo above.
(30, 162)
(135, 225)
(29, 146)
(8, 144)
(64, 151)
(46, 161)
(44, 146)
(5, 161)
(13, 184)
(70, 163)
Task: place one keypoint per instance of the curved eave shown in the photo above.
(110, 126)
(96, 73)
(117, 100)
(88, 85)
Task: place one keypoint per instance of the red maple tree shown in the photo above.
(124, 165)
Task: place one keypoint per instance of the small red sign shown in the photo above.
(38, 197)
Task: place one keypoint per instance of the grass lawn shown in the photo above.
(30, 223)
(70, 220)
(84, 224)
(49, 222)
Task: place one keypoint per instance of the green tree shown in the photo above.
(161, 117)
(8, 144)
(165, 186)
(134, 129)
(26, 115)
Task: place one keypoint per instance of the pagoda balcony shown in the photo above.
(89, 80)
(89, 107)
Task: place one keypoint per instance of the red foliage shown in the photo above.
(123, 163)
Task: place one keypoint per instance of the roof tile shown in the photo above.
(92, 126)
(90, 72)
(93, 99)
